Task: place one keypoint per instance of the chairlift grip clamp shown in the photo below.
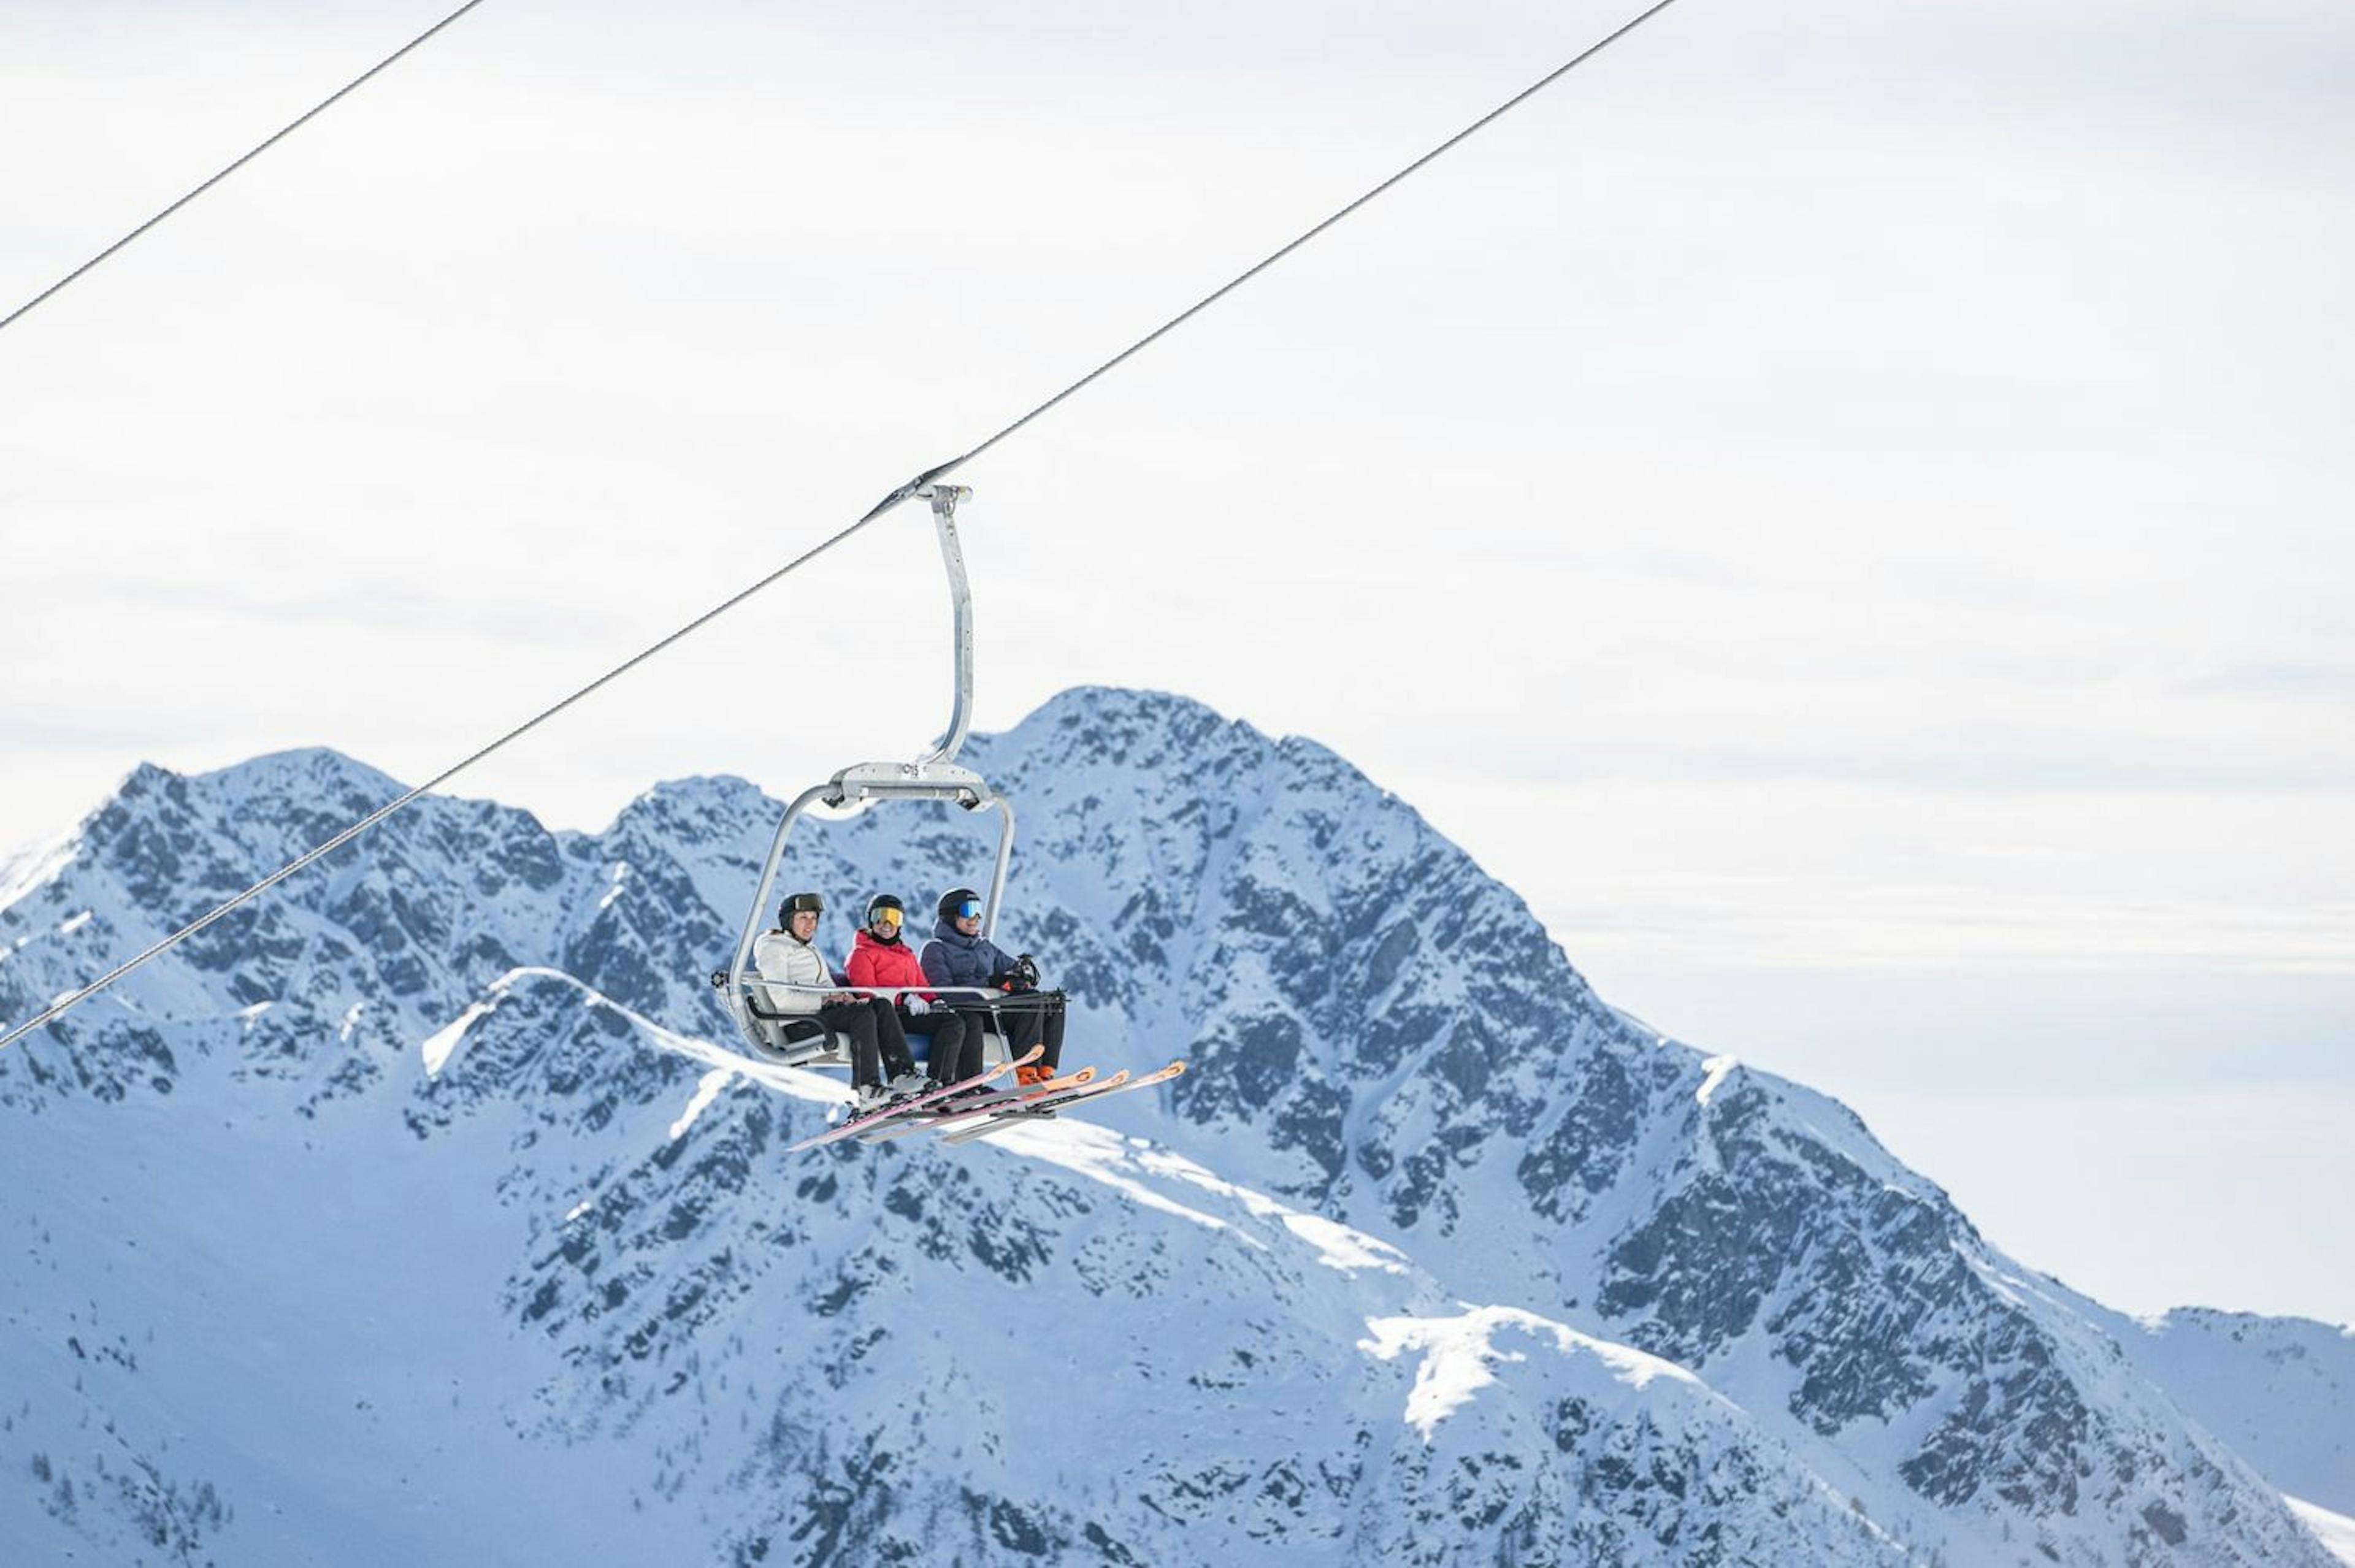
(944, 497)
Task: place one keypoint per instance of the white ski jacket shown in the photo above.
(781, 959)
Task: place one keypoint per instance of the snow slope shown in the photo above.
(2281, 1390)
(1432, 1256)
(570, 1299)
(2335, 1530)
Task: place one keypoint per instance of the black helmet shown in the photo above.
(800, 904)
(956, 898)
(883, 901)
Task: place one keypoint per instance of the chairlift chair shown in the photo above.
(799, 1039)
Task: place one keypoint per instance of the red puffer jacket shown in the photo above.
(874, 963)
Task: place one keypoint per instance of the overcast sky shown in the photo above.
(1843, 505)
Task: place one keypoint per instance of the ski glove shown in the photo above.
(915, 1004)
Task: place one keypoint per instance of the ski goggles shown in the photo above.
(886, 916)
(969, 910)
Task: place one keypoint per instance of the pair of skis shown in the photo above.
(959, 1109)
(964, 1121)
(900, 1108)
(1032, 1109)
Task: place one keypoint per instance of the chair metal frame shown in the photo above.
(934, 776)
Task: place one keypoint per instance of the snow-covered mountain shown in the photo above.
(2281, 1390)
(1433, 1256)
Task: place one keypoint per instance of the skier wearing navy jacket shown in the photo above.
(959, 957)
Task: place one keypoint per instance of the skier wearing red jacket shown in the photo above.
(879, 958)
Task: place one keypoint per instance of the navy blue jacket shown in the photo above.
(953, 958)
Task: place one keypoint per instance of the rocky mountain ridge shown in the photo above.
(1734, 1309)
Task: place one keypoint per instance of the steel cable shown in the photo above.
(272, 139)
(877, 511)
(445, 775)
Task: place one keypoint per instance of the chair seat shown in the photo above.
(799, 1041)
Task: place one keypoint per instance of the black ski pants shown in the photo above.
(953, 1043)
(1039, 1022)
(873, 1026)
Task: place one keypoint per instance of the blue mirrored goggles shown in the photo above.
(969, 910)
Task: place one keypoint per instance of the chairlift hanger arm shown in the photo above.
(944, 500)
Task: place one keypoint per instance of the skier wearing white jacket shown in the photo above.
(787, 957)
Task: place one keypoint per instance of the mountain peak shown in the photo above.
(1123, 725)
(696, 803)
(320, 770)
(309, 778)
(1123, 702)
